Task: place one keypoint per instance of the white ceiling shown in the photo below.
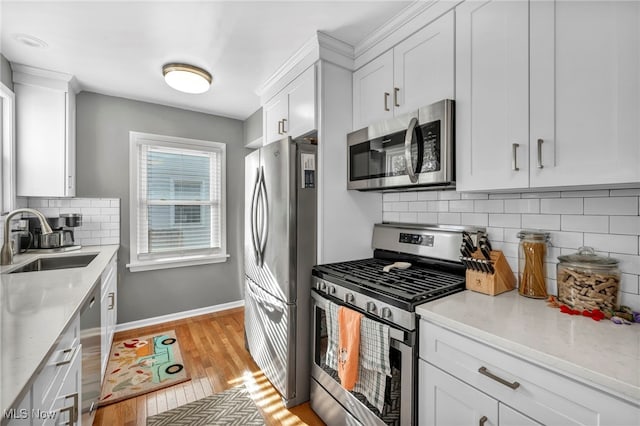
(118, 48)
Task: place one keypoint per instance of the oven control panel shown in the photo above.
(416, 239)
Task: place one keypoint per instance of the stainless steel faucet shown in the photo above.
(6, 254)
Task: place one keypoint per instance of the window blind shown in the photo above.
(179, 208)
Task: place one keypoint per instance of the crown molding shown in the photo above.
(320, 46)
(25, 74)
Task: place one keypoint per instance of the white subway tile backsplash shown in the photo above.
(115, 203)
(488, 206)
(599, 224)
(522, 206)
(461, 206)
(390, 216)
(624, 225)
(430, 218)
(110, 240)
(448, 195)
(475, 219)
(408, 196)
(100, 203)
(109, 225)
(541, 195)
(438, 206)
(449, 218)
(627, 244)
(505, 220)
(611, 206)
(561, 205)
(100, 233)
(541, 221)
(90, 210)
(417, 206)
(608, 220)
(115, 218)
(427, 196)
(584, 194)
(80, 202)
(474, 196)
(114, 233)
(388, 197)
(409, 217)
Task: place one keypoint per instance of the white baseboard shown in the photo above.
(178, 315)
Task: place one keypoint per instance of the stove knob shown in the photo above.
(331, 289)
(386, 313)
(322, 286)
(349, 298)
(371, 307)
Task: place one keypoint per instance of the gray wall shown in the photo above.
(6, 75)
(103, 125)
(253, 127)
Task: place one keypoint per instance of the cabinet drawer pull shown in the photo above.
(112, 296)
(514, 157)
(284, 120)
(395, 96)
(540, 141)
(59, 411)
(76, 407)
(485, 372)
(67, 360)
(386, 101)
(483, 420)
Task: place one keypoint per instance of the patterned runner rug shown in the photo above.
(142, 365)
(231, 407)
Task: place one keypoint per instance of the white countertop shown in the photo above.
(602, 354)
(35, 308)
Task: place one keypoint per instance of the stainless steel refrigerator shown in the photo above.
(279, 252)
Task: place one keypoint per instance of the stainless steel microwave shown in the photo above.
(413, 151)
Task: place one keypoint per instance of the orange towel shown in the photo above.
(348, 346)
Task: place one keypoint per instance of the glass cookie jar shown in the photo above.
(588, 281)
(532, 281)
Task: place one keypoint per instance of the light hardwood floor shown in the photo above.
(213, 351)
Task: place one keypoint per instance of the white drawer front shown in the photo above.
(546, 396)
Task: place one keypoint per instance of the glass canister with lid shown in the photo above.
(532, 281)
(588, 281)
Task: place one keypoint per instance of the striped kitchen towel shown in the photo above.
(332, 334)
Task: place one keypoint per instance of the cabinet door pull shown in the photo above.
(540, 141)
(279, 127)
(74, 413)
(67, 360)
(62, 410)
(485, 372)
(483, 420)
(395, 96)
(514, 157)
(386, 101)
(284, 120)
(112, 296)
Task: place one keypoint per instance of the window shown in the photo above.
(177, 202)
(7, 149)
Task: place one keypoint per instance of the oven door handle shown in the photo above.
(408, 138)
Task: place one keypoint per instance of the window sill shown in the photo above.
(178, 262)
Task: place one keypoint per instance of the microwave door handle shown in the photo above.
(254, 216)
(265, 217)
(408, 137)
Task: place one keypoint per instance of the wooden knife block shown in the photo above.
(500, 281)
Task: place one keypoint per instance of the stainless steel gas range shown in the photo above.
(387, 297)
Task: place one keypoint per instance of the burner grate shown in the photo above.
(416, 283)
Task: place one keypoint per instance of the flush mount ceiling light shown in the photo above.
(186, 78)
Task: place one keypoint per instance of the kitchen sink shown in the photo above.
(50, 263)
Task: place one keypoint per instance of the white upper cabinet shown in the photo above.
(416, 72)
(423, 66)
(292, 112)
(372, 91)
(547, 94)
(45, 133)
(585, 93)
(492, 95)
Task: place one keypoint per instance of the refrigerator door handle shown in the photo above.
(265, 216)
(254, 217)
(268, 306)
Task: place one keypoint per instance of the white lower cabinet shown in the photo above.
(464, 381)
(108, 312)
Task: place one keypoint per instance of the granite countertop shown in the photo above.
(602, 354)
(35, 309)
